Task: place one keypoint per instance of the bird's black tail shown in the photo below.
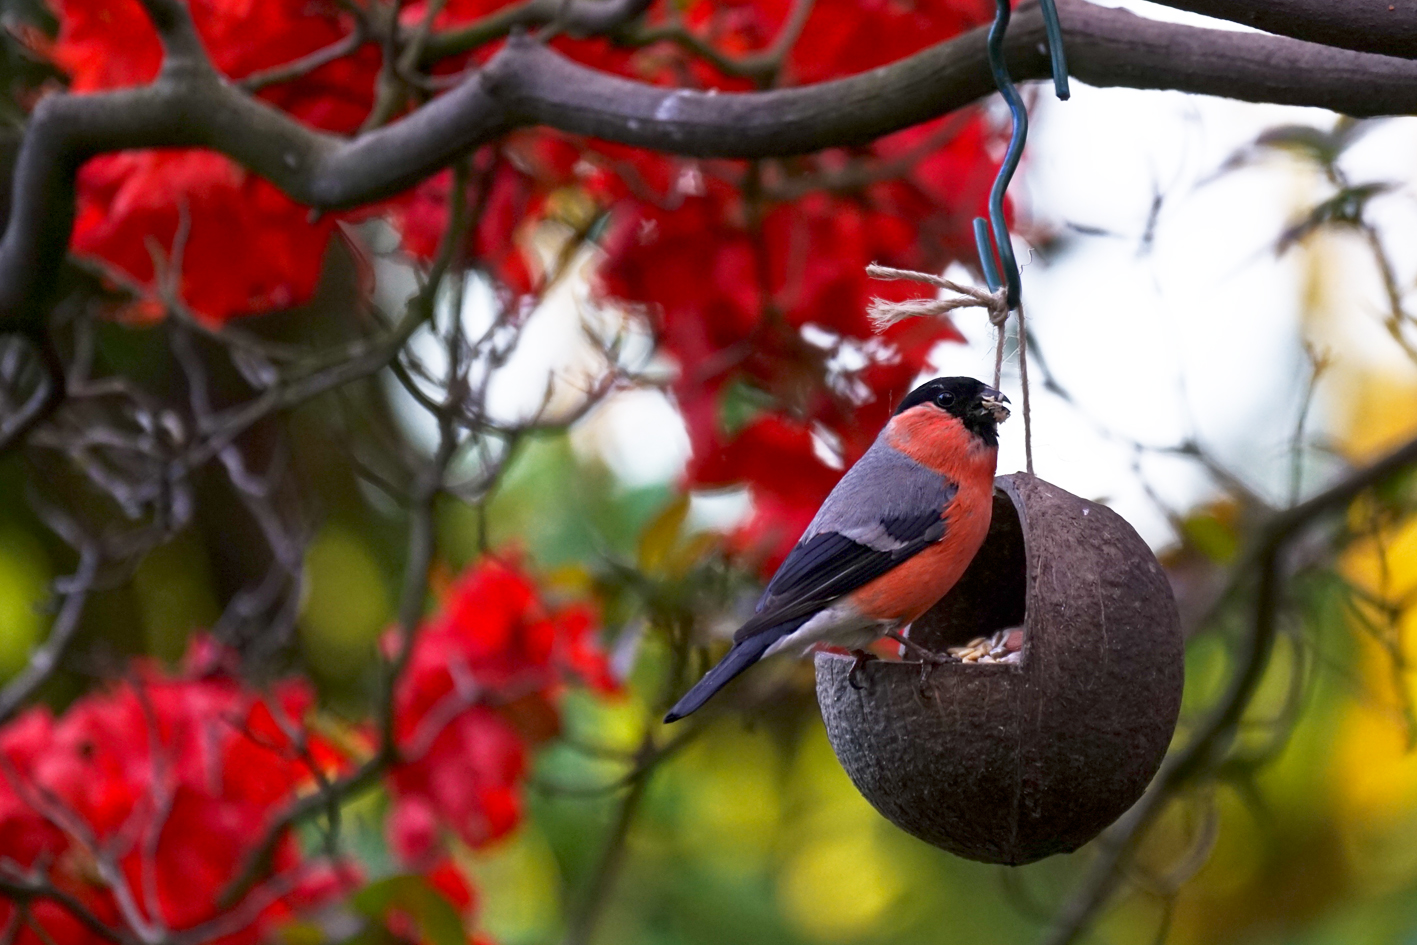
(743, 655)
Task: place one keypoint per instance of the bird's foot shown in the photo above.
(862, 658)
(928, 659)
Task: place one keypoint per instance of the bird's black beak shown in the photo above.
(992, 403)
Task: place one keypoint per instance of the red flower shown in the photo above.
(731, 284)
(172, 780)
(248, 248)
(454, 887)
(468, 779)
(787, 480)
(782, 308)
(508, 198)
(492, 645)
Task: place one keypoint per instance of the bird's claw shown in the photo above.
(862, 658)
(928, 659)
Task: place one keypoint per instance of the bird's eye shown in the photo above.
(945, 399)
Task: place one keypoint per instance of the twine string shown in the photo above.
(999, 356)
(1023, 383)
(884, 313)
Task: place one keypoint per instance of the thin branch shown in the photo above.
(602, 877)
(22, 889)
(761, 65)
(1319, 362)
(421, 542)
(182, 47)
(299, 68)
(577, 18)
(256, 862)
(46, 397)
(45, 659)
(648, 756)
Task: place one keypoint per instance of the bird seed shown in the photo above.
(1005, 646)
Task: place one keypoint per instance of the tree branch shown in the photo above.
(1373, 26)
(528, 84)
(181, 45)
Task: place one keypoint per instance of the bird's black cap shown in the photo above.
(979, 406)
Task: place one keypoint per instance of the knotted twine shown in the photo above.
(884, 313)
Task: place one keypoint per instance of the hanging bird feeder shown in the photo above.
(1066, 697)
(1012, 761)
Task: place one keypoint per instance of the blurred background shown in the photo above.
(1211, 339)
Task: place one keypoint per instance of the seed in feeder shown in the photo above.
(1003, 646)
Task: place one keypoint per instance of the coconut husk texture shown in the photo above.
(1009, 763)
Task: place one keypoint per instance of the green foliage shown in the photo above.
(740, 404)
(438, 922)
(173, 588)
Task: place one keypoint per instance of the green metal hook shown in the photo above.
(1005, 271)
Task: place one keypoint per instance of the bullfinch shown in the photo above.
(890, 540)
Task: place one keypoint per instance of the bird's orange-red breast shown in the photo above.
(947, 447)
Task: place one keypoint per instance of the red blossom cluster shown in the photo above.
(754, 274)
(140, 801)
(244, 247)
(143, 801)
(751, 274)
(476, 692)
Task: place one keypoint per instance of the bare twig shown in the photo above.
(45, 660)
(577, 18)
(22, 886)
(299, 68)
(1318, 363)
(595, 896)
(762, 65)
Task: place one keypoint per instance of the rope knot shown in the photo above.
(885, 313)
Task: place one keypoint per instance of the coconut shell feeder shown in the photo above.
(1009, 762)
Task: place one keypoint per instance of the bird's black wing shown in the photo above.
(830, 565)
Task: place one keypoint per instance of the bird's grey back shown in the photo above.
(883, 487)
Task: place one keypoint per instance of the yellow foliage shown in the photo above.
(1376, 778)
(1374, 770)
(731, 815)
(24, 587)
(839, 887)
(346, 606)
(519, 880)
(1383, 408)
